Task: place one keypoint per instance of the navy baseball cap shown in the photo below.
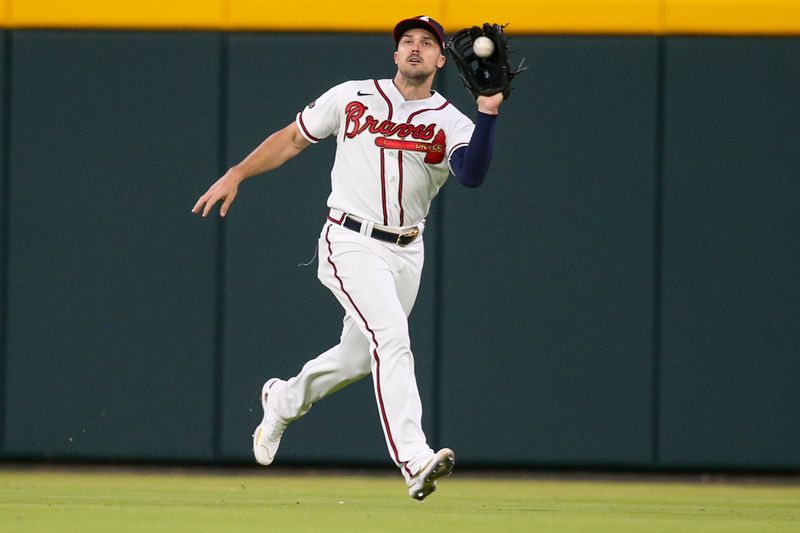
(421, 21)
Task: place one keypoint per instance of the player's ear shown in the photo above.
(395, 57)
(441, 61)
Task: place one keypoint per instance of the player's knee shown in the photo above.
(396, 346)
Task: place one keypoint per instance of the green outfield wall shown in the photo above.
(622, 292)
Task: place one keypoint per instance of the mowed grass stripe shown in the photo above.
(34, 501)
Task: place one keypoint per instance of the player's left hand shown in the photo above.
(490, 104)
(224, 189)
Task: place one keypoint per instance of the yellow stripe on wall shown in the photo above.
(115, 13)
(649, 17)
(732, 16)
(341, 15)
(558, 16)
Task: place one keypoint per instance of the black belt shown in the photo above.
(400, 239)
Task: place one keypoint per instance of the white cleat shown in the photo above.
(267, 436)
(424, 482)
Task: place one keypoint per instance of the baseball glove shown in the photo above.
(483, 76)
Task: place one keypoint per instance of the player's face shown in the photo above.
(418, 54)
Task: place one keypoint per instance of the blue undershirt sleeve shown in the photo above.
(471, 163)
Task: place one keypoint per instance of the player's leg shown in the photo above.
(408, 272)
(362, 274)
(345, 363)
(286, 401)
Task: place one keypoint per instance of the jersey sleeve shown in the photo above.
(320, 118)
(459, 136)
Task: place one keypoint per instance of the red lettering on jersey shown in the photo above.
(405, 131)
(427, 133)
(356, 123)
(371, 124)
(353, 112)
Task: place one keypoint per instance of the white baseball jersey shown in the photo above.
(392, 155)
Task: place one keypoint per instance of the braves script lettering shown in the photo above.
(356, 123)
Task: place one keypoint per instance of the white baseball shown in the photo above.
(483, 47)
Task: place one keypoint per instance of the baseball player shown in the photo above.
(397, 141)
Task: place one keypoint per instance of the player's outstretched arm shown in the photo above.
(470, 163)
(277, 149)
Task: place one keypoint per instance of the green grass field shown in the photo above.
(124, 500)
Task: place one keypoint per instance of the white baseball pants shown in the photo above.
(376, 283)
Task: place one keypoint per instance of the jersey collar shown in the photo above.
(394, 93)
